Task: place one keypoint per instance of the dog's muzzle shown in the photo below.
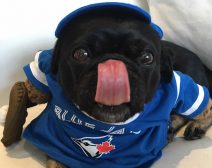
(113, 86)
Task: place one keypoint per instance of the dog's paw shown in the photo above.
(194, 130)
(176, 123)
(171, 134)
(3, 113)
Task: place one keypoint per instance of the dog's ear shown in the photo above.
(166, 62)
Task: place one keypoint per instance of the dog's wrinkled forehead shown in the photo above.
(108, 33)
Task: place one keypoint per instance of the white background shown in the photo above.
(26, 27)
(187, 23)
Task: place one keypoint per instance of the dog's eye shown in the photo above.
(146, 58)
(80, 55)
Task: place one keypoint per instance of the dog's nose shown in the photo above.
(113, 86)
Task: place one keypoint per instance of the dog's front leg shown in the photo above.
(176, 123)
(197, 128)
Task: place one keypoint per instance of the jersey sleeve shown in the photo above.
(192, 98)
(36, 71)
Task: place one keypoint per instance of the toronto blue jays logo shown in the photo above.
(95, 147)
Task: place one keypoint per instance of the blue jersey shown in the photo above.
(79, 141)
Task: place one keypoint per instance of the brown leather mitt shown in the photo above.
(16, 115)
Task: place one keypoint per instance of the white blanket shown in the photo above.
(187, 23)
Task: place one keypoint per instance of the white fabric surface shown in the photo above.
(187, 23)
(3, 113)
(178, 154)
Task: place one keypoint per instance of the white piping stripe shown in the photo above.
(37, 58)
(197, 103)
(177, 79)
(37, 73)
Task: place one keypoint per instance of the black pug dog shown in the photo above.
(107, 37)
(119, 90)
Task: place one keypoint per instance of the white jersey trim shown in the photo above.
(197, 103)
(178, 81)
(36, 72)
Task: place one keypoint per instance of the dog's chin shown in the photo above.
(110, 114)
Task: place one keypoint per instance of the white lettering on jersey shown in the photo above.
(58, 111)
(120, 131)
(62, 115)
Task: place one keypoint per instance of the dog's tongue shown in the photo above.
(113, 83)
